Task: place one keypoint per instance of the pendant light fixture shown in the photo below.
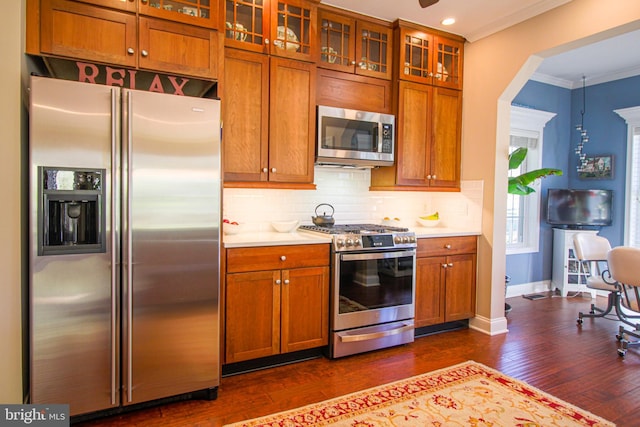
(584, 137)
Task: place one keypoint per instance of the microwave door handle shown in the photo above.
(376, 137)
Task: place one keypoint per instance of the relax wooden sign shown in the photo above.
(127, 78)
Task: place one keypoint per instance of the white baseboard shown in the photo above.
(528, 288)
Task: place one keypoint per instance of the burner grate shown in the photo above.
(353, 229)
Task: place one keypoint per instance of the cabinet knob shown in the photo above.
(265, 170)
(144, 1)
(286, 282)
(353, 62)
(283, 258)
(428, 176)
(130, 51)
(144, 53)
(444, 265)
(266, 41)
(434, 177)
(447, 246)
(450, 264)
(278, 282)
(273, 170)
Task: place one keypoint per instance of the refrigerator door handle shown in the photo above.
(129, 249)
(114, 283)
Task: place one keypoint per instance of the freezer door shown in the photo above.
(171, 216)
(74, 353)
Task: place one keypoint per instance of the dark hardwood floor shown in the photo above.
(544, 347)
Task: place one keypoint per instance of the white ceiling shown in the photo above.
(599, 62)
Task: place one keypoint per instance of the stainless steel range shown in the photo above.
(372, 286)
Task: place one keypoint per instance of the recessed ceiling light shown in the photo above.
(448, 21)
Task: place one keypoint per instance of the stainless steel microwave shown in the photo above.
(352, 137)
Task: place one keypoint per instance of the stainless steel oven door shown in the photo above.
(372, 288)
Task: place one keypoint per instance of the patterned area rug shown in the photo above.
(468, 394)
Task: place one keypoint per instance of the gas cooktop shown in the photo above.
(353, 229)
(354, 237)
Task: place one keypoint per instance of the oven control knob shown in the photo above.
(397, 239)
(340, 243)
(356, 242)
(349, 242)
(412, 239)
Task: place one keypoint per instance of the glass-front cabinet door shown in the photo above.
(448, 62)
(281, 27)
(430, 58)
(354, 46)
(203, 13)
(247, 24)
(373, 50)
(293, 29)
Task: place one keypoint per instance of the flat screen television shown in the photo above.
(577, 208)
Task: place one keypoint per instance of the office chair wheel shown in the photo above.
(580, 321)
(619, 337)
(621, 352)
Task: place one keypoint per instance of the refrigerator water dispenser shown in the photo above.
(72, 211)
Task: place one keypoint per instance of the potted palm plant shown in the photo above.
(520, 185)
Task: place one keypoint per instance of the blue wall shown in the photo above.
(607, 135)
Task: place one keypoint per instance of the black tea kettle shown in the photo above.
(324, 220)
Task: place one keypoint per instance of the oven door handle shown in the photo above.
(376, 335)
(376, 255)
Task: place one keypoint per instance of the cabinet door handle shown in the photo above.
(434, 177)
(130, 51)
(278, 282)
(447, 246)
(265, 170)
(450, 264)
(283, 258)
(428, 176)
(353, 62)
(144, 53)
(286, 282)
(266, 41)
(273, 170)
(144, 1)
(445, 265)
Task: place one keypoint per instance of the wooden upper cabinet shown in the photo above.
(245, 114)
(78, 30)
(158, 41)
(428, 143)
(354, 45)
(202, 13)
(426, 56)
(72, 29)
(279, 27)
(269, 119)
(292, 123)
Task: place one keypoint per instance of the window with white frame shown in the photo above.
(523, 212)
(632, 199)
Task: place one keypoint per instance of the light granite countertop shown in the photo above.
(272, 238)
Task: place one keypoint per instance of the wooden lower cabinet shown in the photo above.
(270, 312)
(445, 280)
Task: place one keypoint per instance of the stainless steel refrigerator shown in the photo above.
(124, 245)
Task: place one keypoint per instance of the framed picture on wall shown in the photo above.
(598, 167)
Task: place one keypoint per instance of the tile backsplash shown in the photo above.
(347, 190)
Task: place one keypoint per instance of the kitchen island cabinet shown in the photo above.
(445, 279)
(276, 300)
(76, 30)
(269, 121)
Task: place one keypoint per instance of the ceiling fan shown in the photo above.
(427, 3)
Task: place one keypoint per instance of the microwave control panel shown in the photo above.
(387, 138)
